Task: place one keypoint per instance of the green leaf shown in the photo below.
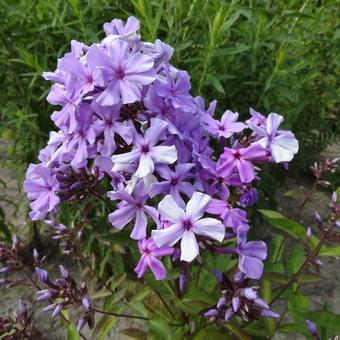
(296, 258)
(135, 333)
(231, 50)
(211, 79)
(276, 248)
(338, 195)
(160, 329)
(72, 333)
(309, 278)
(294, 328)
(266, 292)
(272, 214)
(330, 251)
(290, 227)
(276, 278)
(298, 304)
(199, 294)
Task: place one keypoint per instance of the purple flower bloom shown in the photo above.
(117, 27)
(123, 72)
(145, 151)
(132, 207)
(149, 258)
(174, 182)
(85, 75)
(176, 91)
(108, 124)
(248, 197)
(41, 188)
(251, 254)
(224, 128)
(69, 97)
(186, 224)
(83, 137)
(312, 329)
(232, 217)
(282, 144)
(240, 160)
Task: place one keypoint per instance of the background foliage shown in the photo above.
(280, 56)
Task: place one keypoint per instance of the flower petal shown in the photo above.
(157, 268)
(169, 209)
(197, 205)
(164, 154)
(168, 236)
(139, 230)
(145, 167)
(189, 246)
(209, 227)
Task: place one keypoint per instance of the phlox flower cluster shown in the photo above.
(180, 176)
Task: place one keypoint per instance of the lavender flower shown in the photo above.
(146, 153)
(127, 118)
(240, 160)
(186, 224)
(41, 187)
(224, 128)
(132, 207)
(149, 258)
(238, 300)
(282, 144)
(122, 71)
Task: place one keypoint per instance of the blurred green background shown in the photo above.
(280, 56)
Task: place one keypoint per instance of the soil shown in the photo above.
(52, 328)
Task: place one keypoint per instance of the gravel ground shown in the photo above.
(50, 328)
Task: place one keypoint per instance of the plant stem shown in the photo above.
(308, 259)
(165, 304)
(307, 198)
(83, 258)
(120, 315)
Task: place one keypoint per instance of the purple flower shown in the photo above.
(123, 72)
(312, 329)
(69, 97)
(117, 27)
(85, 75)
(232, 217)
(282, 144)
(240, 160)
(248, 197)
(224, 128)
(174, 182)
(41, 188)
(251, 254)
(83, 137)
(132, 207)
(186, 224)
(108, 124)
(145, 151)
(176, 91)
(149, 258)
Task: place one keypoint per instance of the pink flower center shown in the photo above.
(174, 182)
(237, 155)
(145, 149)
(187, 224)
(119, 74)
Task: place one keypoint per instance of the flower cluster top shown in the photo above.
(180, 176)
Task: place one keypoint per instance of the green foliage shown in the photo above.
(281, 56)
